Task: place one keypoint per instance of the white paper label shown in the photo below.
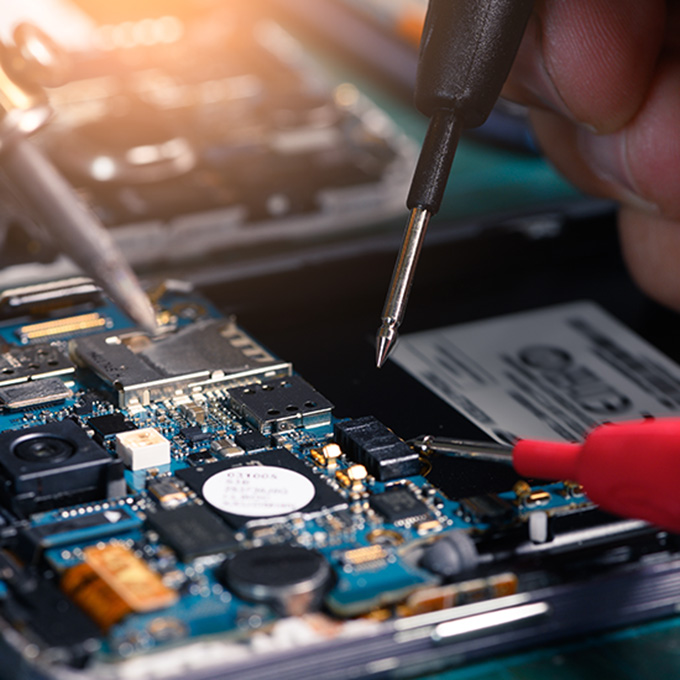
(258, 491)
(552, 373)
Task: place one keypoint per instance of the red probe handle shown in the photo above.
(630, 469)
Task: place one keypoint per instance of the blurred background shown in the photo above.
(208, 133)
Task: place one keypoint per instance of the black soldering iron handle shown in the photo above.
(466, 52)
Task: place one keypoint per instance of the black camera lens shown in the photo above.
(43, 448)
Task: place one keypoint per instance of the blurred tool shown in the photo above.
(32, 62)
(466, 52)
(631, 469)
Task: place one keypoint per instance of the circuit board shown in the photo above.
(186, 502)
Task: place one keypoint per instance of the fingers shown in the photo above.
(651, 248)
(637, 165)
(603, 80)
(590, 60)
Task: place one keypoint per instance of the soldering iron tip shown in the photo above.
(385, 341)
(125, 290)
(141, 311)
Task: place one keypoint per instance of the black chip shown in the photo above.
(107, 426)
(192, 531)
(374, 445)
(252, 441)
(399, 505)
(488, 508)
(324, 496)
(194, 434)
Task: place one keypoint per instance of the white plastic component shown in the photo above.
(143, 449)
(538, 527)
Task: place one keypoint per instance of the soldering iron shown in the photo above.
(466, 52)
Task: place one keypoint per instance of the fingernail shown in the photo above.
(606, 155)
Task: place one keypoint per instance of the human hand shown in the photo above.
(602, 80)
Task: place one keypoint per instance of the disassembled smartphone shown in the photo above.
(187, 505)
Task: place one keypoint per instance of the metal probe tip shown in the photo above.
(386, 338)
(402, 280)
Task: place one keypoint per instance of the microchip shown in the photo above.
(192, 531)
(281, 404)
(108, 425)
(375, 446)
(251, 441)
(399, 506)
(262, 488)
(194, 434)
(489, 508)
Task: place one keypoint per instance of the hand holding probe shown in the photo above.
(630, 469)
(466, 51)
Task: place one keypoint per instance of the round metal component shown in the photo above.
(43, 448)
(452, 555)
(293, 580)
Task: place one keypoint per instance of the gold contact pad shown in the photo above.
(66, 326)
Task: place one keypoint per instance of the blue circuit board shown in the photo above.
(124, 457)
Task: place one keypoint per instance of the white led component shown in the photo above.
(142, 449)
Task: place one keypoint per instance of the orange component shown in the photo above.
(112, 582)
(94, 596)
